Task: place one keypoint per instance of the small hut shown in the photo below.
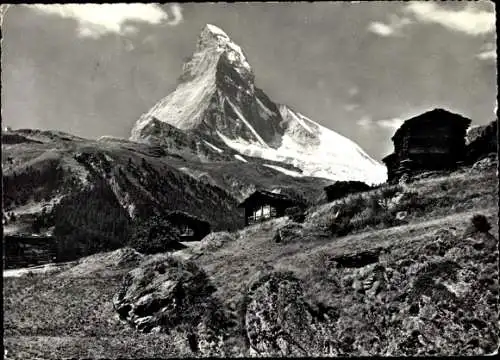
(22, 250)
(342, 188)
(191, 227)
(434, 140)
(263, 205)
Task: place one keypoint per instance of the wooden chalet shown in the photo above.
(263, 205)
(339, 189)
(434, 140)
(23, 250)
(190, 227)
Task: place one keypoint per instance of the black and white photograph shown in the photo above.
(249, 179)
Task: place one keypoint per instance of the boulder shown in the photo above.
(279, 321)
(166, 294)
(216, 240)
(357, 260)
(288, 233)
(489, 162)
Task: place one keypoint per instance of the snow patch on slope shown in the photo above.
(242, 118)
(241, 158)
(216, 30)
(213, 147)
(284, 171)
(264, 107)
(184, 107)
(335, 157)
(300, 121)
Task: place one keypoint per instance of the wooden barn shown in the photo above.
(434, 140)
(28, 250)
(190, 227)
(263, 205)
(339, 189)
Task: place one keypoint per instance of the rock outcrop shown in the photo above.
(279, 320)
(166, 294)
(482, 142)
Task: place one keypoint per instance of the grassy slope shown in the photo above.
(67, 317)
(166, 185)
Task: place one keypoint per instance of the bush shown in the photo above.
(296, 214)
(354, 205)
(341, 225)
(480, 223)
(154, 235)
(411, 201)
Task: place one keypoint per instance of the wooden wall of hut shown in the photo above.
(23, 251)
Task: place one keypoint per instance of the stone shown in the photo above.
(279, 321)
(165, 294)
(485, 164)
(401, 215)
(289, 233)
(358, 259)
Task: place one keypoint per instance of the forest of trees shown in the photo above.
(34, 183)
(90, 221)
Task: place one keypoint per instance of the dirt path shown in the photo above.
(40, 269)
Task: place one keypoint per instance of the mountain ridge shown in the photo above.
(217, 98)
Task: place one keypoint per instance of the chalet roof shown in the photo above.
(389, 158)
(181, 216)
(269, 196)
(438, 115)
(347, 184)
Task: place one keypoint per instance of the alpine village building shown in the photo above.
(263, 205)
(434, 140)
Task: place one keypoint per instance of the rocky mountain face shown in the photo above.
(219, 108)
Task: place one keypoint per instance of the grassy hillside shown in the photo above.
(431, 290)
(91, 191)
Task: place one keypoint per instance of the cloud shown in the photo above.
(488, 52)
(96, 20)
(353, 91)
(380, 29)
(470, 20)
(487, 55)
(392, 28)
(177, 13)
(392, 124)
(351, 107)
(367, 122)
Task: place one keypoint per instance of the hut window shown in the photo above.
(266, 211)
(186, 231)
(263, 212)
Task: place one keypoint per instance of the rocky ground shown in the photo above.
(425, 287)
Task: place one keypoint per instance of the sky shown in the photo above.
(358, 68)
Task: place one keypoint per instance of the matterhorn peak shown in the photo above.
(214, 39)
(214, 30)
(216, 99)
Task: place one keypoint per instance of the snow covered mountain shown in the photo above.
(218, 101)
